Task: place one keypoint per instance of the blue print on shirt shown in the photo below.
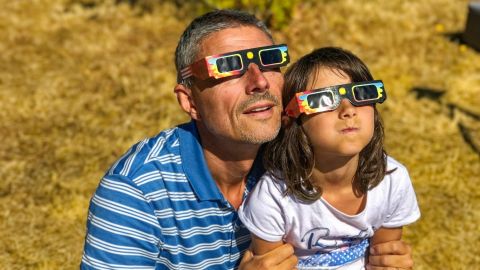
(334, 251)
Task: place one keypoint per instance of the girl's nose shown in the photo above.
(346, 109)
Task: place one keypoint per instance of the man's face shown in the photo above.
(244, 108)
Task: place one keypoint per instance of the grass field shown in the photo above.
(80, 83)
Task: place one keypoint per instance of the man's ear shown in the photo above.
(185, 99)
(287, 120)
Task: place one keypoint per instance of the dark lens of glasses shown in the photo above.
(365, 92)
(229, 63)
(270, 57)
(320, 100)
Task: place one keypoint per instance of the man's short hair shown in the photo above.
(211, 22)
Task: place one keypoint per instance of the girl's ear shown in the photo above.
(186, 101)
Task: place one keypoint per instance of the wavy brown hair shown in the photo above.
(290, 157)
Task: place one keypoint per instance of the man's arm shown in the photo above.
(268, 255)
(122, 229)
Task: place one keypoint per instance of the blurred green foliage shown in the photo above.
(275, 13)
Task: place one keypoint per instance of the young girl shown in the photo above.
(330, 189)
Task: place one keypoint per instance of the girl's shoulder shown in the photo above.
(398, 178)
(272, 183)
(396, 166)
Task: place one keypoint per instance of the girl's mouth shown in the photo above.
(349, 130)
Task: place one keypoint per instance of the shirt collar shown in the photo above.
(196, 169)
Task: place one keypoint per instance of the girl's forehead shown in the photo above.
(325, 76)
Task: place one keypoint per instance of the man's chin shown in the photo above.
(260, 134)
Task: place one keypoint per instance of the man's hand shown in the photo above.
(280, 258)
(393, 255)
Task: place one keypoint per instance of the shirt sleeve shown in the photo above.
(122, 230)
(403, 207)
(262, 211)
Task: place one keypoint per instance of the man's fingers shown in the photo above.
(288, 264)
(390, 255)
(368, 267)
(390, 262)
(280, 258)
(247, 256)
(392, 248)
(279, 255)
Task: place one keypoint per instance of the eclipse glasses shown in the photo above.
(236, 63)
(329, 98)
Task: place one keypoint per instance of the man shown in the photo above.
(170, 202)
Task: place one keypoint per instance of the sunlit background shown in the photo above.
(83, 80)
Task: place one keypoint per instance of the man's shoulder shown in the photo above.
(149, 155)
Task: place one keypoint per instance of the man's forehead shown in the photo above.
(232, 39)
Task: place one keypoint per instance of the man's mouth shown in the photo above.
(258, 108)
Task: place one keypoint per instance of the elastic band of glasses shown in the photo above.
(293, 109)
(189, 71)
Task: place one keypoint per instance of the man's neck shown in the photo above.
(229, 175)
(229, 164)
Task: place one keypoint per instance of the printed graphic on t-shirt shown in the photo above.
(333, 252)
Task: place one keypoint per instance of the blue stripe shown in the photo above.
(98, 264)
(158, 207)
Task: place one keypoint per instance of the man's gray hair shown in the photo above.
(211, 22)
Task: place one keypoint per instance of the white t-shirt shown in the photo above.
(323, 237)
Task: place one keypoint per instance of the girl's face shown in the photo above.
(342, 132)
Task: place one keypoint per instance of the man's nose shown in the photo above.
(256, 81)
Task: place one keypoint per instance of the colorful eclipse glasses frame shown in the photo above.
(236, 63)
(329, 98)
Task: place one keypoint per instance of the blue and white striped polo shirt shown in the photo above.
(158, 207)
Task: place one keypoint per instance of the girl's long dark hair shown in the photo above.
(290, 157)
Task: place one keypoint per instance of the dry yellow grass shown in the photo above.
(80, 84)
